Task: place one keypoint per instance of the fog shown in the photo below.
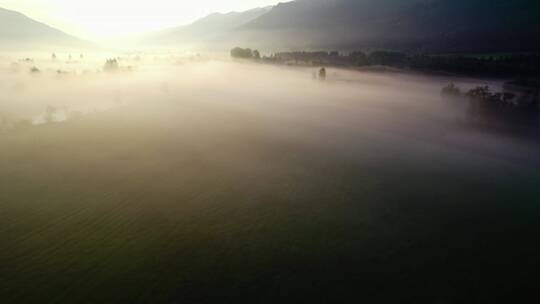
(160, 177)
(405, 108)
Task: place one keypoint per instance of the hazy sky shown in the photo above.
(94, 19)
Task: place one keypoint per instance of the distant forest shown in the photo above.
(520, 65)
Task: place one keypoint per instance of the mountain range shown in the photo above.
(409, 25)
(426, 26)
(412, 25)
(17, 31)
(210, 29)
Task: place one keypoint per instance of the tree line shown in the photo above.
(493, 65)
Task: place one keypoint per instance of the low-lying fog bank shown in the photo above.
(40, 90)
(158, 178)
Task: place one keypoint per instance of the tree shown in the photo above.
(322, 74)
(111, 65)
(451, 90)
(256, 54)
(480, 93)
(238, 52)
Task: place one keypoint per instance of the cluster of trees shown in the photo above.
(451, 91)
(522, 105)
(506, 65)
(519, 98)
(506, 99)
(111, 65)
(248, 53)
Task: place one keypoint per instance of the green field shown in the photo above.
(278, 200)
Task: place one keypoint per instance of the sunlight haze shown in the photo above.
(269, 151)
(99, 19)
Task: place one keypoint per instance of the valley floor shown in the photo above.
(241, 183)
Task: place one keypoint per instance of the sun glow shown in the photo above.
(97, 19)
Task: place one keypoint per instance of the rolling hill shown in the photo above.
(20, 31)
(211, 29)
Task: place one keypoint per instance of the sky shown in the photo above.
(101, 19)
